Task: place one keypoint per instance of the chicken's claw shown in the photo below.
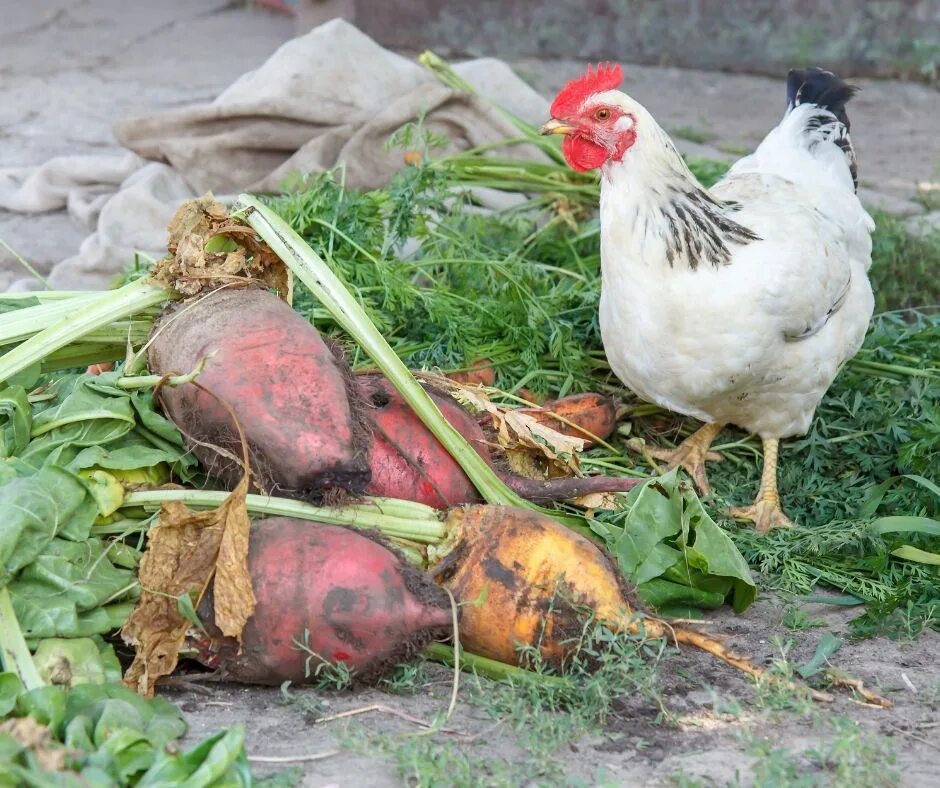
(765, 513)
(691, 455)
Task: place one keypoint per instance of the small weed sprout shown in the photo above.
(328, 675)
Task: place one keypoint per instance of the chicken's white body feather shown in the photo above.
(758, 341)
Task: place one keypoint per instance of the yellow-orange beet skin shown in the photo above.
(521, 578)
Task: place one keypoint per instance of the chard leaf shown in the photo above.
(72, 661)
(10, 689)
(85, 410)
(62, 593)
(36, 508)
(46, 705)
(157, 719)
(16, 419)
(667, 545)
(220, 759)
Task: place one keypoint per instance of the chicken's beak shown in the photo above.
(557, 127)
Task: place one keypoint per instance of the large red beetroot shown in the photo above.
(325, 594)
(287, 389)
(408, 462)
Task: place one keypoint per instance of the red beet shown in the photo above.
(331, 591)
(287, 389)
(408, 462)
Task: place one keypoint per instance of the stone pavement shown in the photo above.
(69, 68)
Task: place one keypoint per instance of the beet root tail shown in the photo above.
(544, 491)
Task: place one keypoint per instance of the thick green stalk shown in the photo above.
(23, 323)
(44, 296)
(403, 519)
(116, 305)
(441, 69)
(490, 668)
(332, 293)
(13, 649)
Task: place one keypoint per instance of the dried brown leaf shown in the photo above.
(234, 598)
(37, 738)
(186, 550)
(517, 430)
(599, 500)
(189, 269)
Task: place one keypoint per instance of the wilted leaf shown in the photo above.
(31, 735)
(599, 501)
(185, 551)
(516, 429)
(232, 592)
(209, 249)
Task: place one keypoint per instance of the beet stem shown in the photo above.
(413, 521)
(490, 668)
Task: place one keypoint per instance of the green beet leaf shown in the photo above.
(669, 547)
(36, 508)
(72, 661)
(219, 759)
(10, 689)
(16, 419)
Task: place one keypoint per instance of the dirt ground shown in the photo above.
(69, 68)
(724, 730)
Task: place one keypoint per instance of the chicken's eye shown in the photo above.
(602, 114)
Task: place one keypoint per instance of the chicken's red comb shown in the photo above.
(607, 77)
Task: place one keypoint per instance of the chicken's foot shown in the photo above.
(692, 454)
(765, 512)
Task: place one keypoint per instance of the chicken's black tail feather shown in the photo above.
(824, 89)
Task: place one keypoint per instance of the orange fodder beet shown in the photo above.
(522, 577)
(525, 580)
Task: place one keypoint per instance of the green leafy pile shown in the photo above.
(105, 734)
(68, 449)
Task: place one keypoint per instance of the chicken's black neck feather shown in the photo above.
(698, 228)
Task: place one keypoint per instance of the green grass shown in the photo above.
(846, 755)
(540, 719)
(904, 272)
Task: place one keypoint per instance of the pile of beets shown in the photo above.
(317, 432)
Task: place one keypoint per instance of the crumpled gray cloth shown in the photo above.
(330, 97)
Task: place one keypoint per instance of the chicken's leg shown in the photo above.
(691, 455)
(765, 512)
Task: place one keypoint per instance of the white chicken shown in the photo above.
(737, 304)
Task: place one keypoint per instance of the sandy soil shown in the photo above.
(720, 721)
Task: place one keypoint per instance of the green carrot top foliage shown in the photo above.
(447, 284)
